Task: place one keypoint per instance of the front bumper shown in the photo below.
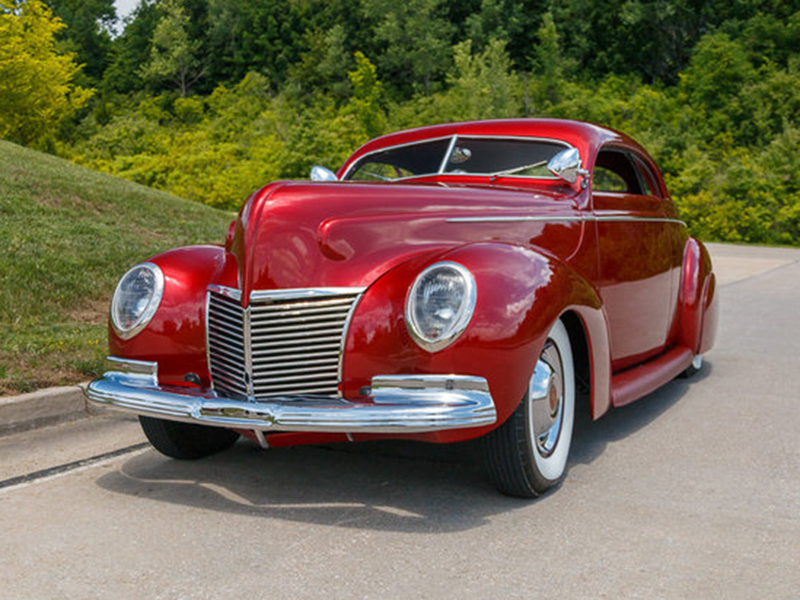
(396, 403)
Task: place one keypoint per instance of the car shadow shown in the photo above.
(399, 487)
(592, 437)
(384, 486)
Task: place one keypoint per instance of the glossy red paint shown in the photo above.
(698, 298)
(647, 377)
(515, 309)
(175, 338)
(642, 291)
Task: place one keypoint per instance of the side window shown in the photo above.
(648, 177)
(615, 172)
(606, 180)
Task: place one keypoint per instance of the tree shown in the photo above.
(88, 23)
(550, 64)
(252, 35)
(366, 98)
(323, 67)
(483, 85)
(36, 82)
(130, 50)
(173, 54)
(416, 39)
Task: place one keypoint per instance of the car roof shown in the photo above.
(587, 137)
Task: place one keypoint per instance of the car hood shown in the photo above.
(301, 235)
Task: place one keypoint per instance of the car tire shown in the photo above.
(185, 441)
(527, 455)
(694, 368)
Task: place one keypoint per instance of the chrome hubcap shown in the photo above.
(546, 393)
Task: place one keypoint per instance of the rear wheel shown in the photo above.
(694, 368)
(185, 441)
(527, 455)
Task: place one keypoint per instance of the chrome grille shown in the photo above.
(287, 342)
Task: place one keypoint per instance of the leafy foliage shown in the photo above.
(213, 98)
(37, 92)
(87, 32)
(173, 53)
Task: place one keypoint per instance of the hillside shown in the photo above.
(66, 234)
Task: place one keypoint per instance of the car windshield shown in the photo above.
(456, 155)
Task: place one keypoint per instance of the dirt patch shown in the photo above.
(91, 312)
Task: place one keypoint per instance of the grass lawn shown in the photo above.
(66, 235)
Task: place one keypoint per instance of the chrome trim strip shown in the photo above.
(269, 350)
(147, 371)
(208, 341)
(310, 336)
(345, 330)
(388, 383)
(447, 154)
(632, 219)
(577, 218)
(291, 294)
(228, 292)
(513, 219)
(396, 404)
(295, 310)
(249, 378)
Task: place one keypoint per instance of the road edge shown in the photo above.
(42, 408)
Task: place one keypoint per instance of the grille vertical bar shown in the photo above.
(288, 342)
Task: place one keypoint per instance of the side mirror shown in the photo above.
(567, 165)
(322, 174)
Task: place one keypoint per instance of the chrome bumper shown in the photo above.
(396, 404)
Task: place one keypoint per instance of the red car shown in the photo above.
(471, 280)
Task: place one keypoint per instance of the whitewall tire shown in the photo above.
(528, 454)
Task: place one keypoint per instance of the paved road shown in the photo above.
(693, 492)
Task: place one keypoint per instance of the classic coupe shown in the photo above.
(460, 281)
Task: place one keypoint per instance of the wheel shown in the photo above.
(186, 441)
(527, 455)
(694, 368)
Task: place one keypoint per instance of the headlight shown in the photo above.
(136, 299)
(440, 305)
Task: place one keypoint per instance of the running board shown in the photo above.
(634, 383)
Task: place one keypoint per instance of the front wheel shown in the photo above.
(527, 455)
(186, 441)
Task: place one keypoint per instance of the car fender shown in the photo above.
(520, 294)
(175, 337)
(699, 305)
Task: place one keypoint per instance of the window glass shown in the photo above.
(404, 161)
(469, 156)
(606, 180)
(614, 172)
(647, 177)
(523, 158)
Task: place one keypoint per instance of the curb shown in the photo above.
(42, 408)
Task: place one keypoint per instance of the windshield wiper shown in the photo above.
(381, 177)
(518, 169)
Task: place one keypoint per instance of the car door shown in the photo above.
(635, 261)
